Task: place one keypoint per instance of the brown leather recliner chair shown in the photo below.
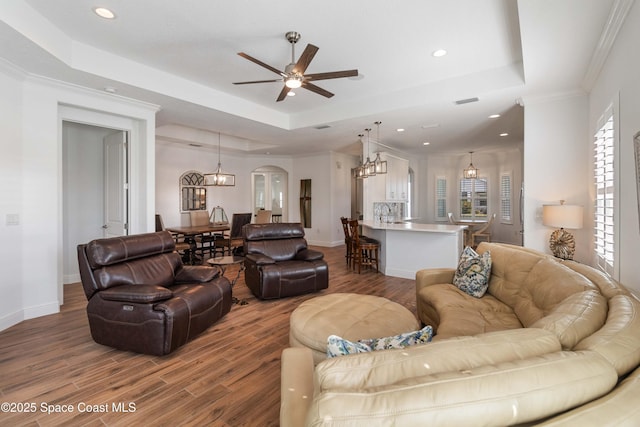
(143, 299)
(279, 264)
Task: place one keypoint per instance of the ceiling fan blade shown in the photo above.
(283, 93)
(262, 64)
(305, 59)
(316, 89)
(331, 75)
(257, 81)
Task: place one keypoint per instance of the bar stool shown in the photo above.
(347, 239)
(364, 251)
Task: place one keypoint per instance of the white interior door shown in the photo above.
(115, 185)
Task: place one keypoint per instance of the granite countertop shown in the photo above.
(412, 226)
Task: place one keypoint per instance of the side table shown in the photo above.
(225, 261)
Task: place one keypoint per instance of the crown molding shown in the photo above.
(615, 21)
(551, 97)
(12, 70)
(72, 87)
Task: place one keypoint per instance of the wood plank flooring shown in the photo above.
(229, 376)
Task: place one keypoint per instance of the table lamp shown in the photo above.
(218, 216)
(562, 243)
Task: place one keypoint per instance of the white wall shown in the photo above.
(620, 75)
(330, 175)
(341, 165)
(36, 140)
(556, 165)
(491, 165)
(173, 159)
(11, 202)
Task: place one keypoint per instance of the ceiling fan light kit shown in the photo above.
(293, 75)
(293, 82)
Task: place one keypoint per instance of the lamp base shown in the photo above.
(562, 244)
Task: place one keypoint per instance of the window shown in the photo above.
(604, 156)
(193, 194)
(505, 198)
(441, 198)
(473, 198)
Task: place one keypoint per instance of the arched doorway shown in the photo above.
(269, 191)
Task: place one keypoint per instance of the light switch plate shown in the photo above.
(13, 219)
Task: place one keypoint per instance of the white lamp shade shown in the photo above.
(562, 216)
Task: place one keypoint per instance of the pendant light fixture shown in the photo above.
(361, 172)
(380, 165)
(369, 166)
(219, 178)
(470, 172)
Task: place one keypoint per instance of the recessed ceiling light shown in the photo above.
(110, 89)
(494, 116)
(400, 130)
(103, 12)
(426, 143)
(291, 93)
(438, 53)
(504, 134)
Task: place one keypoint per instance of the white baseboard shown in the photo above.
(41, 310)
(71, 278)
(404, 274)
(28, 313)
(325, 243)
(11, 319)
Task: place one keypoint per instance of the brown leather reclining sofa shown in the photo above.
(141, 296)
(278, 262)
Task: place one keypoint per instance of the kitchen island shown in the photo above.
(407, 247)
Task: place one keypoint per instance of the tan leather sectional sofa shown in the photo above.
(550, 343)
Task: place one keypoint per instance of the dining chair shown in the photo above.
(452, 220)
(205, 242)
(182, 247)
(483, 233)
(467, 231)
(263, 217)
(232, 240)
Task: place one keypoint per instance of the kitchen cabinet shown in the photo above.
(392, 186)
(396, 179)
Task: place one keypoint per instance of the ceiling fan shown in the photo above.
(293, 75)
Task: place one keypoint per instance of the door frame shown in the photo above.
(267, 171)
(134, 127)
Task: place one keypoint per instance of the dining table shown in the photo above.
(472, 225)
(191, 231)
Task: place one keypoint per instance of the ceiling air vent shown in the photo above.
(322, 127)
(466, 101)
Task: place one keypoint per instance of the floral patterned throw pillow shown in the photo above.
(472, 274)
(337, 346)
